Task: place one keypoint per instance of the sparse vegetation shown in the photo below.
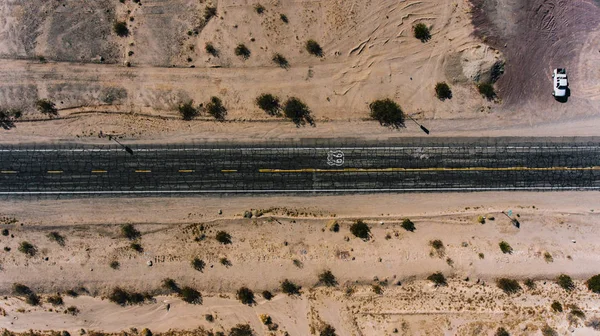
(32, 299)
(269, 103)
(136, 247)
(594, 323)
(548, 257)
(223, 237)
(593, 283)
(8, 118)
(5, 232)
(556, 306)
(198, 264)
(188, 111)
(209, 12)
(501, 332)
(314, 48)
(27, 248)
(130, 232)
(71, 293)
(71, 310)
(327, 278)
(120, 28)
(481, 255)
(438, 246)
(190, 295)
(242, 51)
(170, 284)
(377, 289)
(115, 265)
(361, 230)
(210, 49)
(481, 220)
(123, 297)
(565, 282)
(297, 263)
(408, 225)
(548, 331)
(295, 110)
(216, 109)
(387, 112)
(443, 92)
(267, 295)
(327, 330)
(55, 300)
(438, 279)
(241, 330)
(281, 61)
(56, 237)
(225, 262)
(505, 247)
(290, 288)
(47, 107)
(20, 289)
(529, 283)
(577, 312)
(245, 295)
(509, 286)
(487, 91)
(421, 32)
(284, 18)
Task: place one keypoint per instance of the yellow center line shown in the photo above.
(55, 171)
(186, 170)
(384, 170)
(228, 170)
(143, 171)
(8, 172)
(98, 171)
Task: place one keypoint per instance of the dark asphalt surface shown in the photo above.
(342, 166)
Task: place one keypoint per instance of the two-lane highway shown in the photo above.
(335, 166)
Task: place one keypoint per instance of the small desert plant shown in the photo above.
(242, 51)
(225, 262)
(361, 230)
(269, 103)
(327, 278)
(505, 247)
(438, 246)
(209, 317)
(245, 295)
(56, 237)
(5, 232)
(481, 220)
(509, 286)
(210, 49)
(267, 295)
(327, 330)
(120, 28)
(46, 106)
(443, 92)
(119, 296)
(529, 283)
(487, 90)
(314, 48)
(577, 312)
(438, 279)
(32, 299)
(481, 255)
(146, 332)
(295, 110)
(72, 293)
(136, 247)
(187, 110)
(198, 264)
(20, 289)
(281, 61)
(130, 232)
(216, 109)
(565, 282)
(259, 8)
(548, 257)
(55, 300)
(548, 331)
(27, 248)
(223, 237)
(72, 310)
(421, 32)
(290, 288)
(209, 12)
(556, 306)
(387, 112)
(594, 323)
(190, 295)
(297, 263)
(593, 283)
(501, 332)
(377, 289)
(284, 18)
(115, 265)
(170, 284)
(241, 330)
(408, 225)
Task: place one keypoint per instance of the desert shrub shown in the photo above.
(501, 332)
(438, 279)
(284, 18)
(137, 247)
(594, 323)
(27, 248)
(295, 110)
(481, 255)
(242, 51)
(71, 293)
(556, 306)
(245, 295)
(481, 220)
(577, 312)
(8, 117)
(20, 289)
(120, 28)
(209, 12)
(421, 32)
(548, 257)
(114, 264)
(170, 284)
(565, 282)
(548, 331)
(314, 48)
(436, 244)
(47, 107)
(487, 91)
(281, 61)
(290, 288)
(269, 103)
(32, 299)
(56, 237)
(387, 112)
(505, 247)
(190, 295)
(55, 300)
(119, 296)
(529, 283)
(297, 263)
(216, 109)
(408, 225)
(130, 232)
(267, 295)
(377, 289)
(259, 8)
(5, 232)
(361, 230)
(509, 286)
(442, 91)
(187, 110)
(146, 332)
(328, 279)
(593, 283)
(225, 262)
(241, 330)
(223, 237)
(327, 330)
(210, 49)
(72, 310)
(209, 317)
(198, 264)
(135, 298)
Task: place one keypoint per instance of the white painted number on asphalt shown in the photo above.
(335, 158)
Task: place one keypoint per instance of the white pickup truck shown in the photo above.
(560, 81)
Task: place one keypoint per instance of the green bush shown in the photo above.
(327, 278)
(269, 103)
(242, 51)
(314, 48)
(225, 262)
(223, 237)
(55, 300)
(209, 12)
(501, 332)
(5, 232)
(295, 110)
(556, 306)
(32, 299)
(241, 330)
(290, 288)
(198, 264)
(565, 282)
(442, 91)
(422, 32)
(120, 28)
(259, 8)
(436, 244)
(284, 18)
(136, 247)
(505, 247)
(593, 283)
(130, 232)
(56, 237)
(387, 112)
(170, 284)
(327, 330)
(190, 295)
(210, 49)
(267, 295)
(216, 109)
(487, 91)
(438, 279)
(361, 230)
(47, 107)
(71, 310)
(408, 225)
(115, 265)
(187, 110)
(20, 289)
(27, 248)
(281, 61)
(245, 295)
(509, 286)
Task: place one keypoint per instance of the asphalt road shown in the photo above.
(341, 166)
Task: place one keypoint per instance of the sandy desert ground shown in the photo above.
(292, 240)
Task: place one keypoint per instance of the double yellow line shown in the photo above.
(386, 170)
